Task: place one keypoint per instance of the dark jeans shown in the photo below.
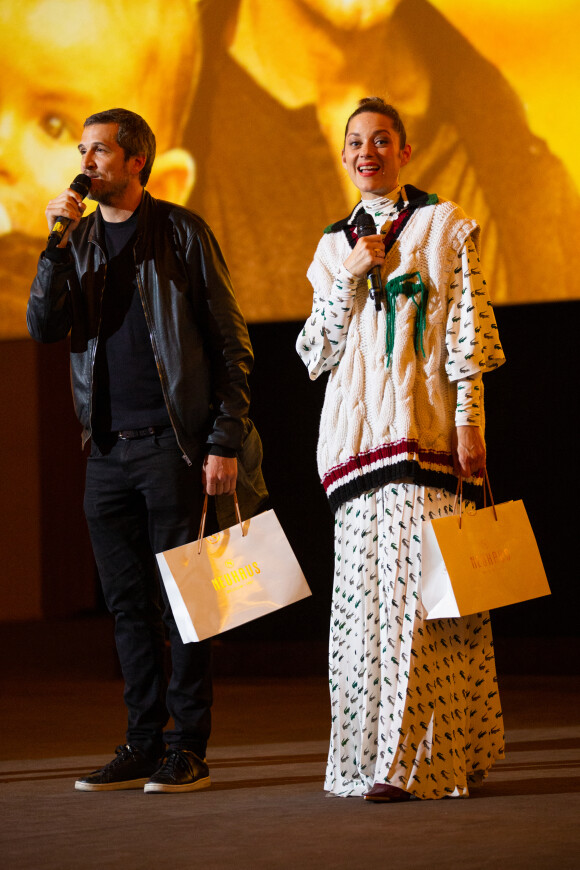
(141, 498)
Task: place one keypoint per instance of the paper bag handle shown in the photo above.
(459, 494)
(204, 515)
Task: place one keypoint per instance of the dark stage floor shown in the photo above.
(61, 716)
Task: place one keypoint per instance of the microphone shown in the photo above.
(82, 185)
(365, 226)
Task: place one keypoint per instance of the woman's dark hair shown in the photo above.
(135, 136)
(378, 106)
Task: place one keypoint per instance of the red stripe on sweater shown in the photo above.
(388, 452)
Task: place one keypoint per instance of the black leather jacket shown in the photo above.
(198, 334)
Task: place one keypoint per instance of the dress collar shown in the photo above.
(381, 206)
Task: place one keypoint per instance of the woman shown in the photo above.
(415, 707)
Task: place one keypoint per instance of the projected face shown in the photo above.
(63, 61)
(37, 114)
(352, 13)
(372, 155)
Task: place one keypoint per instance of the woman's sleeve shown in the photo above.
(321, 342)
(472, 338)
(469, 401)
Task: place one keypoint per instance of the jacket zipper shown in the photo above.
(95, 347)
(160, 369)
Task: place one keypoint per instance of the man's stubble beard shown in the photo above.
(111, 193)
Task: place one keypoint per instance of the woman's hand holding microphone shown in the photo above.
(368, 252)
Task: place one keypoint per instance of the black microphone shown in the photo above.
(365, 226)
(82, 185)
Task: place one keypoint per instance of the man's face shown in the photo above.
(372, 155)
(49, 85)
(103, 160)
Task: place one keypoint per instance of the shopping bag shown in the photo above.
(230, 578)
(477, 561)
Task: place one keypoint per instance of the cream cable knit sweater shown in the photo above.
(382, 422)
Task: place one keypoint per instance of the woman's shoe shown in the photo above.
(384, 793)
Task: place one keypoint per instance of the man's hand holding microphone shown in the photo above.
(65, 211)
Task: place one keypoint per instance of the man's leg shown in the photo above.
(117, 520)
(174, 499)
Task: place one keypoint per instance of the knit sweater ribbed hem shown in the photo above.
(404, 459)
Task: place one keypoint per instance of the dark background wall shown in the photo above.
(531, 428)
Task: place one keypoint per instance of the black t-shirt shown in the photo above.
(128, 392)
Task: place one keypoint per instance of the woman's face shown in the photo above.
(372, 155)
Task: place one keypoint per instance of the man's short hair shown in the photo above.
(379, 107)
(134, 135)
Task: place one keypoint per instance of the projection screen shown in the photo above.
(248, 100)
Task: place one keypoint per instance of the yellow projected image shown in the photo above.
(248, 100)
(285, 89)
(61, 62)
(535, 45)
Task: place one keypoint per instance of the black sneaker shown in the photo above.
(130, 768)
(181, 770)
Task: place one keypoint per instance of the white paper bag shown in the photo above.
(233, 580)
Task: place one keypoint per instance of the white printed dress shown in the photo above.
(414, 702)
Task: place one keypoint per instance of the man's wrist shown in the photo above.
(220, 450)
(57, 254)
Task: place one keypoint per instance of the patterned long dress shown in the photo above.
(414, 702)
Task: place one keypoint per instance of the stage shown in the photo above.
(62, 716)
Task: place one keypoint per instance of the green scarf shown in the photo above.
(410, 285)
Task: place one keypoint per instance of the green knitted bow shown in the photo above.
(410, 285)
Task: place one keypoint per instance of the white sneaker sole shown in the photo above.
(163, 788)
(110, 786)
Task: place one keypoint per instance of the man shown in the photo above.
(160, 358)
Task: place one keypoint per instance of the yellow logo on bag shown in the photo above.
(486, 560)
(230, 578)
